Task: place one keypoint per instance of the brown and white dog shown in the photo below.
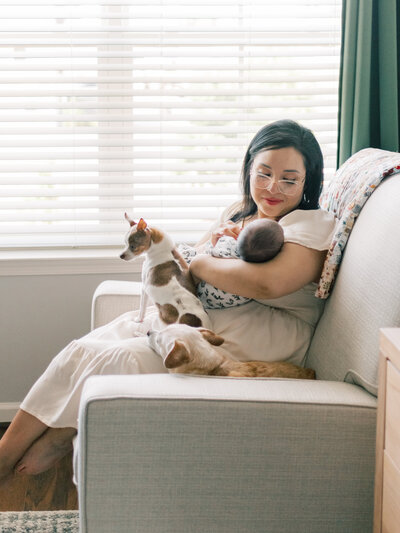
(165, 276)
(188, 350)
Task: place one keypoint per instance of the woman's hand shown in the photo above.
(230, 229)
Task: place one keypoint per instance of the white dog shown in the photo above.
(189, 350)
(165, 276)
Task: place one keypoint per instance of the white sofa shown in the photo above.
(185, 454)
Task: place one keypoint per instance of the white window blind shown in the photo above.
(147, 106)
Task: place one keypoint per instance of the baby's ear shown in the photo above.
(211, 337)
(178, 356)
(131, 222)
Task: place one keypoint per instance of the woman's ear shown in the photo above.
(211, 337)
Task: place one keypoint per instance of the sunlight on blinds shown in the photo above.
(147, 106)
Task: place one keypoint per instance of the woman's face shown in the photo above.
(285, 164)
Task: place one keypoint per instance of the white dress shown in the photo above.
(268, 330)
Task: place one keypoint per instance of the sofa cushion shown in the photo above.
(179, 454)
(365, 296)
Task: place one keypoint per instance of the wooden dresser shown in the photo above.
(387, 476)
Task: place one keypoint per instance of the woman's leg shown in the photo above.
(44, 453)
(113, 349)
(20, 435)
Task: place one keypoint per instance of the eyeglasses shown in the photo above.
(286, 186)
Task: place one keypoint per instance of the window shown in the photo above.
(147, 106)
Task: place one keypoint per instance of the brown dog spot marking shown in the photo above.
(190, 320)
(138, 241)
(162, 274)
(156, 235)
(168, 313)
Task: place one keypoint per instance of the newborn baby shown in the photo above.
(258, 242)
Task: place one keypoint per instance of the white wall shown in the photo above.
(39, 315)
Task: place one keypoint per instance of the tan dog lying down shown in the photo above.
(189, 350)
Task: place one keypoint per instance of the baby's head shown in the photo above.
(260, 241)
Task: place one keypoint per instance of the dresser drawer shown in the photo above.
(392, 426)
(391, 502)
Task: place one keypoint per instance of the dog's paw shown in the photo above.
(139, 320)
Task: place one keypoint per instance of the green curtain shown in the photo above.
(369, 87)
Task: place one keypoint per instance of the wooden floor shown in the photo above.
(50, 491)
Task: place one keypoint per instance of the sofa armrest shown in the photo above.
(113, 298)
(176, 453)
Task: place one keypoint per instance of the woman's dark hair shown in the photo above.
(284, 134)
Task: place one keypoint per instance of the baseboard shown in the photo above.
(8, 410)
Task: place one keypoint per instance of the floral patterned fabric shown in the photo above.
(353, 184)
(211, 297)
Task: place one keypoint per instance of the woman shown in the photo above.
(281, 180)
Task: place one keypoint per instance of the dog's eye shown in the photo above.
(131, 247)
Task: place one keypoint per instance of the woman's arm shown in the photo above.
(289, 271)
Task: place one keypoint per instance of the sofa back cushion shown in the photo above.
(366, 294)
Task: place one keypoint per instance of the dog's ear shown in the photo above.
(142, 225)
(178, 356)
(156, 235)
(131, 222)
(211, 337)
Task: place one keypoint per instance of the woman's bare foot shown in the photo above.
(49, 448)
(19, 436)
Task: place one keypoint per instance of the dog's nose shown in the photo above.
(122, 256)
(149, 333)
